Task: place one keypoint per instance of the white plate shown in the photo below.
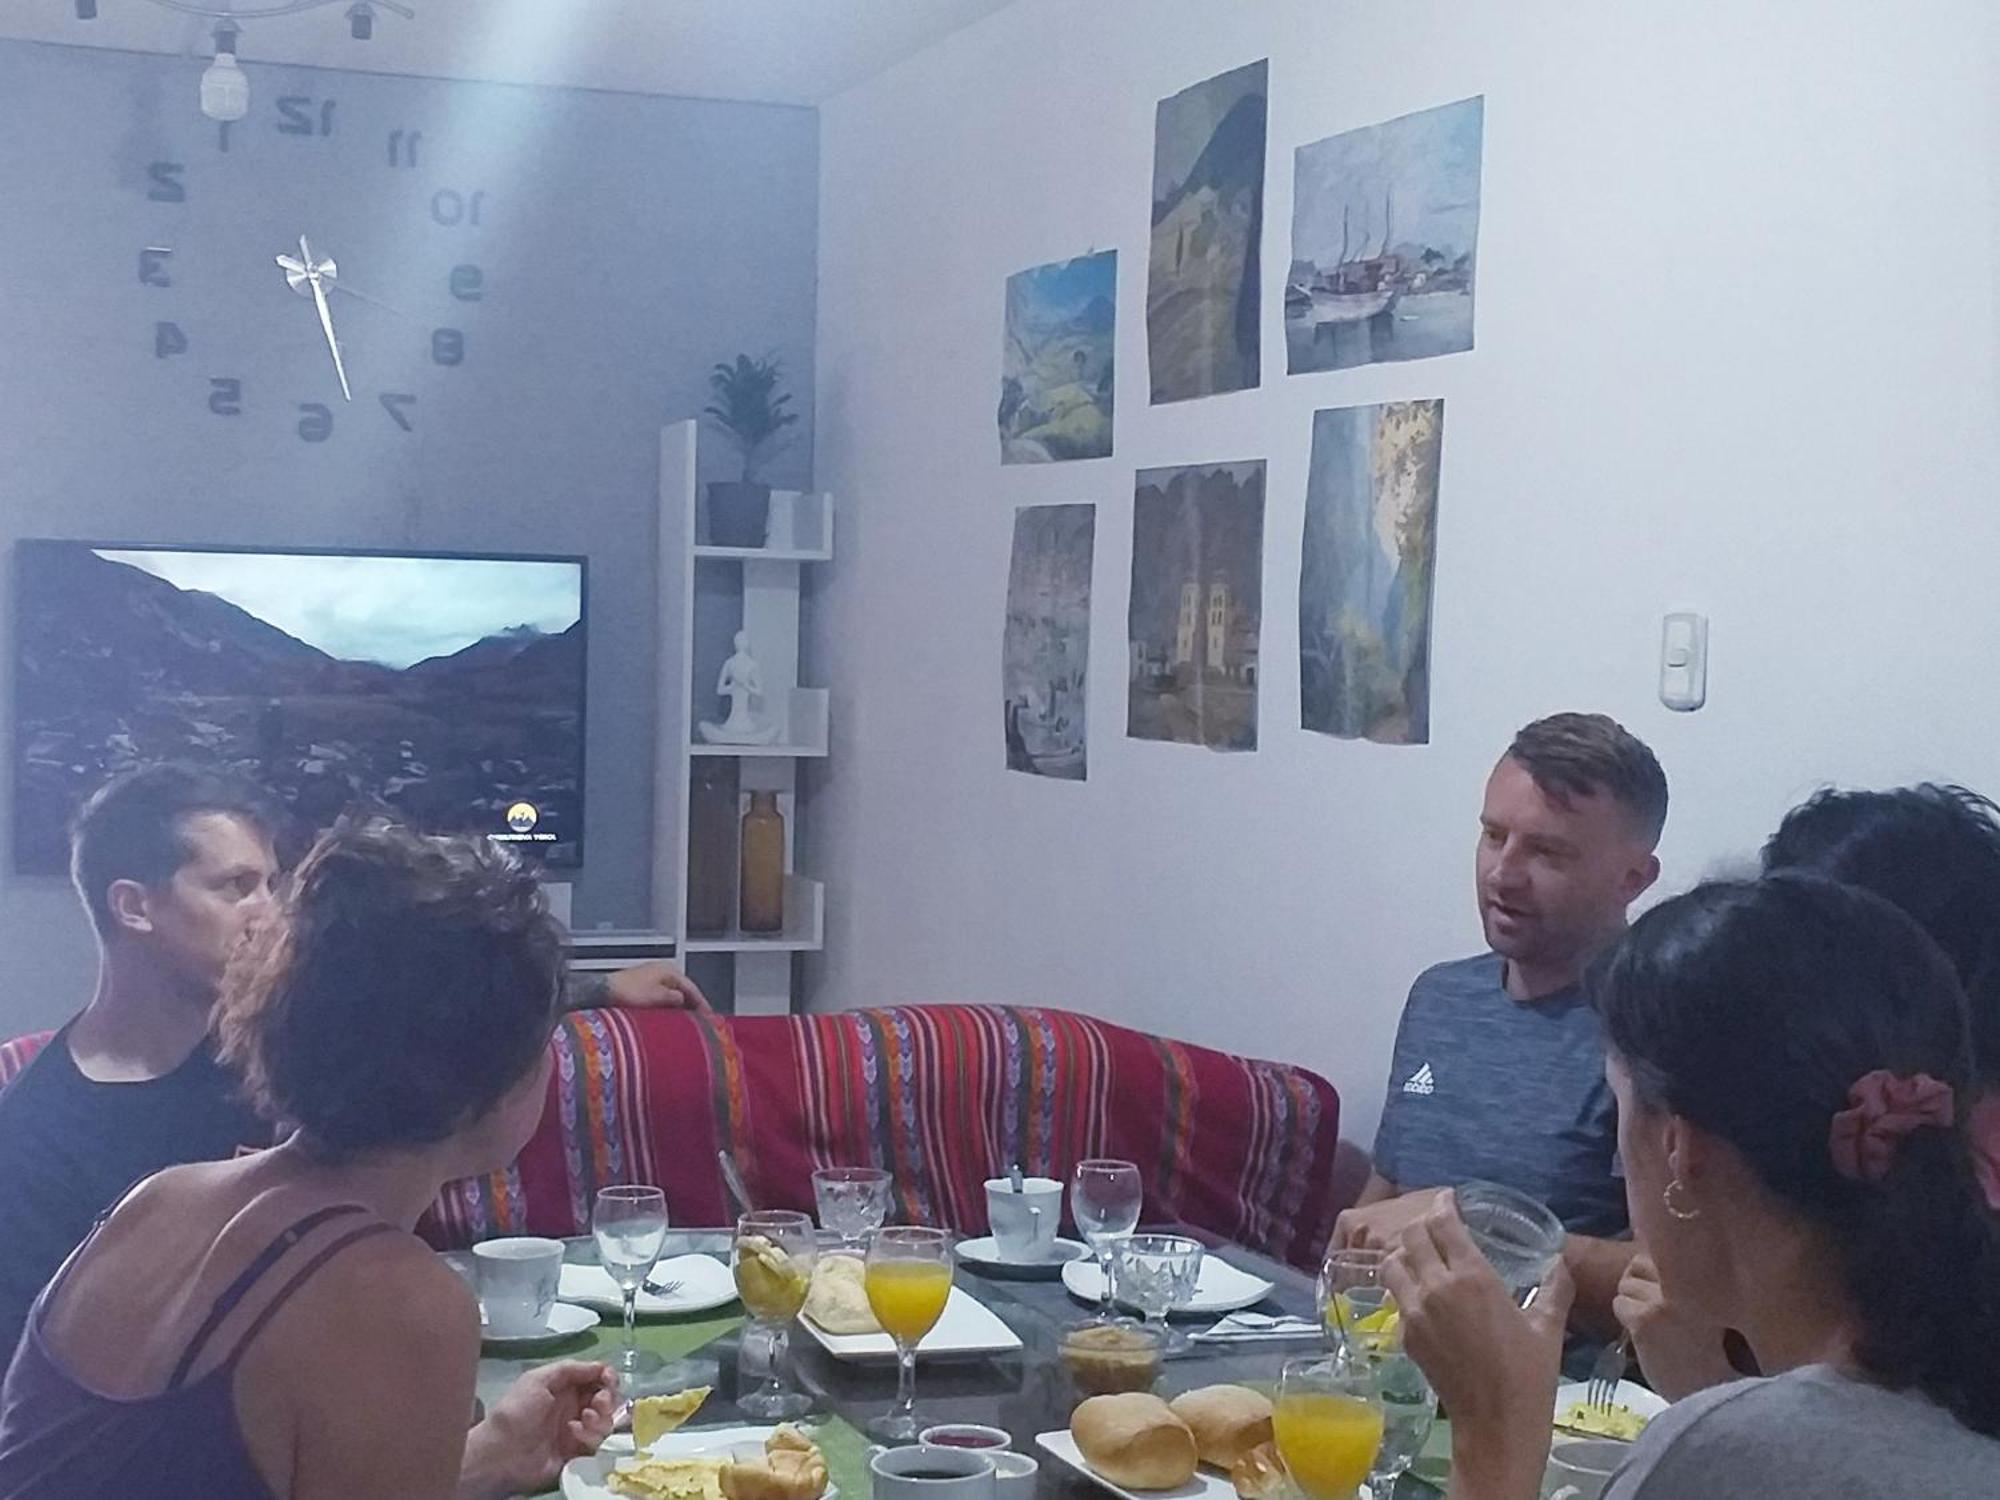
(966, 1328)
(983, 1254)
(585, 1478)
(1222, 1288)
(1648, 1404)
(566, 1321)
(705, 1284)
(1207, 1484)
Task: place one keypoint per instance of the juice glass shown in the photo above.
(1328, 1424)
(908, 1280)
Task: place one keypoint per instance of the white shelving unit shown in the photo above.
(800, 534)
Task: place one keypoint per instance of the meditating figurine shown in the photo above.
(740, 682)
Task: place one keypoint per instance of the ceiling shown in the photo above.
(773, 51)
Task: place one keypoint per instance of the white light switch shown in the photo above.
(1684, 661)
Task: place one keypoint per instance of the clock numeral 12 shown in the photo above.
(297, 110)
(167, 185)
(315, 422)
(451, 207)
(153, 266)
(168, 339)
(393, 403)
(225, 397)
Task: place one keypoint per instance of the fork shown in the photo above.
(1602, 1388)
(668, 1288)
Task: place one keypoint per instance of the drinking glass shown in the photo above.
(908, 1279)
(1105, 1197)
(1519, 1236)
(1354, 1306)
(1409, 1409)
(1328, 1424)
(772, 1257)
(1156, 1273)
(851, 1200)
(631, 1227)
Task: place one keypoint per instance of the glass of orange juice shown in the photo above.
(908, 1278)
(772, 1257)
(1328, 1424)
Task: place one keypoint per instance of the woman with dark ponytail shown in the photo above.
(1793, 1076)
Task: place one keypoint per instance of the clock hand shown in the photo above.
(342, 286)
(326, 323)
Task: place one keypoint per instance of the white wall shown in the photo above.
(1735, 334)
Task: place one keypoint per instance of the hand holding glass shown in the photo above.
(908, 1279)
(631, 1227)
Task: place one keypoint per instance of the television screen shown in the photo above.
(449, 688)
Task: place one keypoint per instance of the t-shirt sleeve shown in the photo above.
(1732, 1440)
(1389, 1132)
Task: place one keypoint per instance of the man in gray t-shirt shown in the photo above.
(1499, 1069)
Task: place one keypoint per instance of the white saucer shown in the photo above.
(983, 1255)
(566, 1321)
(1223, 1288)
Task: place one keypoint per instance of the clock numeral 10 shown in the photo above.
(452, 208)
(468, 283)
(447, 347)
(168, 340)
(167, 185)
(225, 397)
(297, 115)
(153, 266)
(315, 422)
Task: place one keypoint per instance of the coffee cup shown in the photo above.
(1024, 1223)
(517, 1280)
(1014, 1476)
(925, 1473)
(1579, 1468)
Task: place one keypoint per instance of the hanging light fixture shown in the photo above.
(225, 87)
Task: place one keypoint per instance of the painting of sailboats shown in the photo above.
(1202, 335)
(1385, 236)
(1045, 663)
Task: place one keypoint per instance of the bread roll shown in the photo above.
(1259, 1474)
(1227, 1421)
(1134, 1440)
(838, 1300)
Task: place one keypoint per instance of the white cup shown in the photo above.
(1014, 1476)
(1579, 1468)
(920, 1473)
(1024, 1223)
(517, 1281)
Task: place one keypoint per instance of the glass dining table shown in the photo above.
(1024, 1392)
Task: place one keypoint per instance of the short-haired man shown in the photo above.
(172, 863)
(1498, 1070)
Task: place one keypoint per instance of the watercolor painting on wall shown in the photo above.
(1367, 570)
(1056, 368)
(1208, 220)
(1385, 239)
(1045, 663)
(1197, 604)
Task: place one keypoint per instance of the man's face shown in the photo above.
(194, 919)
(1554, 880)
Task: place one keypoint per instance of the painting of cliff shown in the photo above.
(1208, 219)
(1366, 575)
(1385, 241)
(1056, 376)
(1197, 606)
(1045, 663)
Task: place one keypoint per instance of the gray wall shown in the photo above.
(626, 243)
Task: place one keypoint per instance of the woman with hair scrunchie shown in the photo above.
(1794, 1078)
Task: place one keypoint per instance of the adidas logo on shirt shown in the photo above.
(1421, 1082)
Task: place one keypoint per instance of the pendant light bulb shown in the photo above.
(225, 87)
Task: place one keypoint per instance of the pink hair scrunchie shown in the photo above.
(1882, 1108)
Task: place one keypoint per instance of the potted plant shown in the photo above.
(750, 408)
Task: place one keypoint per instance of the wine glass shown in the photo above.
(1105, 1197)
(772, 1257)
(908, 1279)
(1354, 1306)
(631, 1227)
(1409, 1409)
(1328, 1423)
(851, 1200)
(1157, 1273)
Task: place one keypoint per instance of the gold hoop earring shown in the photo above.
(1677, 1210)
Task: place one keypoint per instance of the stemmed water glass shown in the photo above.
(630, 1223)
(1409, 1410)
(908, 1279)
(1157, 1273)
(851, 1201)
(1105, 1198)
(1328, 1423)
(772, 1257)
(1355, 1308)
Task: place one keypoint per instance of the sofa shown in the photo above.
(944, 1096)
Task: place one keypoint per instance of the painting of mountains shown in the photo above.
(1197, 608)
(445, 689)
(1045, 663)
(1367, 571)
(1208, 220)
(1385, 241)
(1056, 368)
